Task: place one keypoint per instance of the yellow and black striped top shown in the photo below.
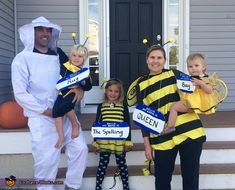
(160, 92)
(116, 113)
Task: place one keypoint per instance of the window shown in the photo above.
(176, 25)
(173, 31)
(93, 29)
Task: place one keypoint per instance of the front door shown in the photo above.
(130, 22)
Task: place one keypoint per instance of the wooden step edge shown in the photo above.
(87, 127)
(206, 146)
(137, 170)
(210, 145)
(219, 145)
(23, 129)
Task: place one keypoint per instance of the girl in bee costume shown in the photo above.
(205, 98)
(113, 109)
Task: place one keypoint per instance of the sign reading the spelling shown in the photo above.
(73, 79)
(184, 83)
(149, 119)
(110, 130)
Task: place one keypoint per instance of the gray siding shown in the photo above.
(62, 12)
(7, 48)
(212, 32)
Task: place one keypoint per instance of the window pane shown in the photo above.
(93, 24)
(173, 31)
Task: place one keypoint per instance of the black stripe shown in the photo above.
(173, 97)
(158, 85)
(185, 127)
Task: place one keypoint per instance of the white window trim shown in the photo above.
(183, 32)
(184, 19)
(104, 42)
(83, 28)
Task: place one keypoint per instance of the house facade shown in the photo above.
(117, 28)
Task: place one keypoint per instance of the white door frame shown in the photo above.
(96, 94)
(104, 53)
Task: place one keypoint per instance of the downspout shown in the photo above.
(15, 28)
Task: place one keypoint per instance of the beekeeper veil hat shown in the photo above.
(26, 33)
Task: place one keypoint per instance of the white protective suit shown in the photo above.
(34, 78)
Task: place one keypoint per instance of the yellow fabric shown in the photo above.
(131, 93)
(71, 67)
(113, 146)
(200, 101)
(178, 139)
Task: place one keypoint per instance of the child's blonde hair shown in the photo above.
(79, 49)
(117, 82)
(194, 56)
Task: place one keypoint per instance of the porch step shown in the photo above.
(212, 176)
(222, 119)
(217, 160)
(18, 142)
(136, 170)
(22, 164)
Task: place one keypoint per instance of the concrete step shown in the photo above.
(210, 155)
(212, 176)
(18, 141)
(136, 170)
(221, 119)
(217, 161)
(22, 164)
(207, 182)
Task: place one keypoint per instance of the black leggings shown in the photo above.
(189, 161)
(103, 164)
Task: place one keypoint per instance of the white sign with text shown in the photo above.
(149, 119)
(110, 130)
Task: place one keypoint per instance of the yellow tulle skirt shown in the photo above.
(113, 146)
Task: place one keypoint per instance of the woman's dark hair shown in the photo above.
(153, 48)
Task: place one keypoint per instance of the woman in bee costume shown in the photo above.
(159, 90)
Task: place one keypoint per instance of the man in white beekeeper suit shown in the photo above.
(35, 72)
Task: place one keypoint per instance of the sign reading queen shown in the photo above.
(110, 130)
(149, 119)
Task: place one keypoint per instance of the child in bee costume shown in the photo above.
(209, 92)
(64, 104)
(113, 109)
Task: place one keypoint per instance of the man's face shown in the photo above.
(42, 37)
